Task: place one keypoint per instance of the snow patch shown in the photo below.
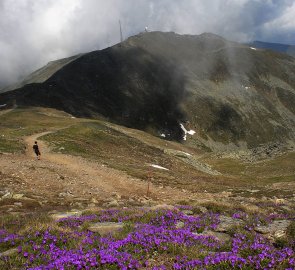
(252, 48)
(159, 167)
(163, 135)
(190, 132)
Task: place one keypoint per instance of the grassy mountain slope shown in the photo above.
(132, 151)
(234, 97)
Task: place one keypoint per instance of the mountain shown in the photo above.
(283, 48)
(233, 96)
(42, 74)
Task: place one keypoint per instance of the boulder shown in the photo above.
(113, 203)
(9, 252)
(277, 229)
(60, 215)
(163, 207)
(187, 212)
(93, 200)
(17, 196)
(104, 228)
(226, 223)
(223, 237)
(179, 225)
(7, 195)
(200, 209)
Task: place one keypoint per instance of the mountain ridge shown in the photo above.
(279, 47)
(232, 95)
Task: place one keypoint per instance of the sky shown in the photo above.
(34, 32)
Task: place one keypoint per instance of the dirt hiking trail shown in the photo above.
(93, 175)
(62, 179)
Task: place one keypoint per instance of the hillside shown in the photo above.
(42, 74)
(233, 96)
(104, 196)
(84, 159)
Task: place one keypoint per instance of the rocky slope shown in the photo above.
(232, 95)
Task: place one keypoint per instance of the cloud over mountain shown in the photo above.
(35, 32)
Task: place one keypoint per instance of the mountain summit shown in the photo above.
(229, 93)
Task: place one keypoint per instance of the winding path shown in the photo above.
(90, 177)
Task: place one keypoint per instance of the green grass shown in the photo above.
(279, 169)
(24, 122)
(98, 141)
(132, 151)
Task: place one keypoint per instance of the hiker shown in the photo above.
(36, 149)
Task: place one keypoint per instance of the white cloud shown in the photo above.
(284, 22)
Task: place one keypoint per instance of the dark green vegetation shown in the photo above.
(229, 93)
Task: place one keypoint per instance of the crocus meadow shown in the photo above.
(150, 239)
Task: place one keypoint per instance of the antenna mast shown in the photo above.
(121, 35)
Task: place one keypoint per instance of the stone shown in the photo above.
(78, 204)
(202, 209)
(7, 195)
(17, 196)
(262, 229)
(116, 195)
(57, 216)
(104, 228)
(187, 212)
(131, 200)
(222, 237)
(163, 206)
(93, 200)
(226, 223)
(110, 204)
(179, 225)
(280, 234)
(145, 202)
(65, 194)
(277, 229)
(9, 252)
(18, 204)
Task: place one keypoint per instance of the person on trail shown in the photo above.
(36, 150)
